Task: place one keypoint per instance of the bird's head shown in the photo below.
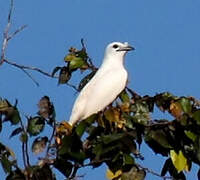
(118, 49)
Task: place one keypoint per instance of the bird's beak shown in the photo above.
(126, 48)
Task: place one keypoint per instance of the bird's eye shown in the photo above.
(115, 46)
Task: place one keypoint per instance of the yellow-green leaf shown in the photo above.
(179, 161)
(110, 175)
(186, 105)
(191, 135)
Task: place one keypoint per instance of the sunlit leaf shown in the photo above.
(134, 174)
(4, 104)
(124, 97)
(39, 144)
(125, 107)
(179, 161)
(112, 114)
(110, 175)
(186, 105)
(64, 128)
(69, 57)
(77, 62)
(176, 109)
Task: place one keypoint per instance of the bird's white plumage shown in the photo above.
(105, 86)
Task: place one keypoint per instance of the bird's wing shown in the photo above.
(103, 88)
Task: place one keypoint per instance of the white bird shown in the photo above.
(108, 82)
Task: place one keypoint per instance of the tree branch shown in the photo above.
(24, 68)
(147, 170)
(50, 140)
(6, 35)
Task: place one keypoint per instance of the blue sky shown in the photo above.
(164, 33)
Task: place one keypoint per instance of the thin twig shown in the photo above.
(27, 155)
(23, 154)
(51, 139)
(6, 36)
(37, 84)
(10, 11)
(25, 147)
(17, 31)
(154, 173)
(28, 67)
(91, 65)
(23, 67)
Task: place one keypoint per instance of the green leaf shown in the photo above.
(12, 115)
(128, 159)
(80, 129)
(186, 105)
(35, 125)
(112, 137)
(161, 138)
(16, 132)
(191, 135)
(15, 117)
(196, 116)
(6, 164)
(76, 63)
(72, 148)
(39, 144)
(124, 96)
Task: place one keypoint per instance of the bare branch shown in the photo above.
(10, 11)
(6, 36)
(23, 68)
(51, 139)
(91, 65)
(154, 173)
(17, 31)
(28, 67)
(37, 84)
